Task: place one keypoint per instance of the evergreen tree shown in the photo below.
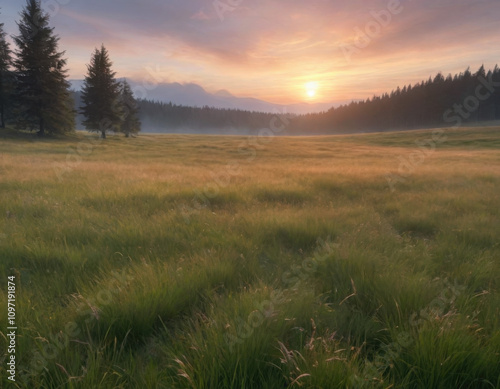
(439, 101)
(129, 110)
(100, 95)
(42, 91)
(5, 74)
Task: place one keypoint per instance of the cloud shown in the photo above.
(200, 15)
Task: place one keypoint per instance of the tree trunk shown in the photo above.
(103, 134)
(127, 135)
(2, 121)
(41, 131)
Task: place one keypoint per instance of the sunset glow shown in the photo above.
(262, 49)
(311, 88)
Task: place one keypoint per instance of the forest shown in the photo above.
(465, 98)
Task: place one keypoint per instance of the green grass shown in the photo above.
(190, 262)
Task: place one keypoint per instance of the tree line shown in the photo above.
(34, 90)
(159, 116)
(440, 101)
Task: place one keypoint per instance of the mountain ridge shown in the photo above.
(194, 95)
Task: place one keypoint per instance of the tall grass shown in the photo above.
(119, 287)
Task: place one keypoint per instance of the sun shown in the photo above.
(311, 89)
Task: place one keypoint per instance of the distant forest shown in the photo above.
(167, 117)
(440, 101)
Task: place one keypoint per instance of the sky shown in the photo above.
(282, 51)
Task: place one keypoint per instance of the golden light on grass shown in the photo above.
(191, 270)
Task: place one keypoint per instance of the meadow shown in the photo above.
(178, 261)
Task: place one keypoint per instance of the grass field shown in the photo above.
(227, 262)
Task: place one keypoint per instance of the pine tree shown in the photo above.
(42, 91)
(129, 110)
(5, 74)
(100, 95)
